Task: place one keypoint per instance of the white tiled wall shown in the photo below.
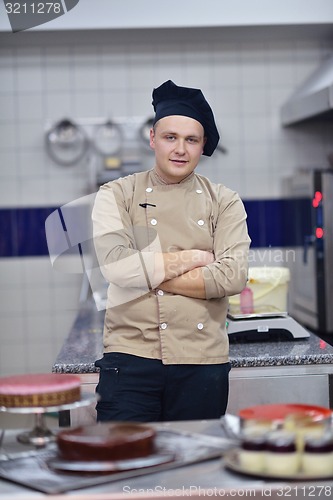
(38, 306)
(52, 77)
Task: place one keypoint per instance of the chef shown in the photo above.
(173, 247)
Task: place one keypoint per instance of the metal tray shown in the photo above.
(34, 471)
(259, 312)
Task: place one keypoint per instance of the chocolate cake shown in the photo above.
(106, 441)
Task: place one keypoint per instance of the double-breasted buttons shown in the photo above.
(164, 326)
(200, 222)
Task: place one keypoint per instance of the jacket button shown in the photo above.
(201, 222)
(153, 222)
(160, 292)
(149, 190)
(200, 326)
(164, 326)
(199, 191)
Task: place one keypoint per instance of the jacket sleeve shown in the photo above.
(120, 261)
(228, 274)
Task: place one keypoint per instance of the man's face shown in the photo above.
(178, 142)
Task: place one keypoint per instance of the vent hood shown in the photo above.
(312, 99)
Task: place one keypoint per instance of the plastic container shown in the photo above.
(269, 287)
(246, 301)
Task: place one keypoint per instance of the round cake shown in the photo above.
(34, 390)
(106, 441)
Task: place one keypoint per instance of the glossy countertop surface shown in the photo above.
(84, 346)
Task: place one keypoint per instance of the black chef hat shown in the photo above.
(169, 99)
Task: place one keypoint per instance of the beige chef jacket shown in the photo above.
(136, 216)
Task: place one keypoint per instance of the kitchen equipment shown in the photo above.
(144, 132)
(313, 98)
(264, 326)
(108, 141)
(108, 138)
(122, 148)
(113, 148)
(311, 283)
(66, 143)
(188, 448)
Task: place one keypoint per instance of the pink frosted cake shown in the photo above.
(50, 389)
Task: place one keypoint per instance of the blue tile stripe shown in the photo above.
(22, 231)
(272, 223)
(279, 223)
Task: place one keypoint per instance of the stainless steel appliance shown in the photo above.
(265, 326)
(311, 283)
(312, 98)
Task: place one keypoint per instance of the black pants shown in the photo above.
(138, 389)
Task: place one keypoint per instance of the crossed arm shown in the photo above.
(189, 279)
(130, 265)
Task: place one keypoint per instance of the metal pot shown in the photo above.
(144, 132)
(66, 143)
(108, 139)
